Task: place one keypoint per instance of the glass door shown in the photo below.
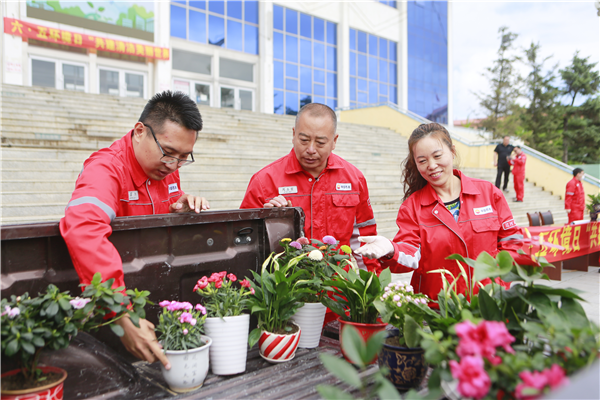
(237, 98)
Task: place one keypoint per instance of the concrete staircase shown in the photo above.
(47, 134)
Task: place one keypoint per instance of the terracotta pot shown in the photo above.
(365, 330)
(277, 348)
(310, 318)
(51, 391)
(188, 367)
(229, 343)
(406, 366)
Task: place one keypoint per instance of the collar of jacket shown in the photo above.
(293, 165)
(429, 196)
(137, 173)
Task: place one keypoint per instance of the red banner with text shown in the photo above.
(576, 240)
(38, 32)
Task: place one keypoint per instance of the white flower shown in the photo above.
(385, 296)
(315, 255)
(387, 289)
(423, 301)
(78, 303)
(396, 298)
(399, 304)
(409, 288)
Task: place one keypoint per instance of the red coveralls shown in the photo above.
(111, 184)
(519, 173)
(575, 200)
(428, 234)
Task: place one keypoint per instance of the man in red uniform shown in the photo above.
(332, 192)
(136, 175)
(518, 163)
(575, 196)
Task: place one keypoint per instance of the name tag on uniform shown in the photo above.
(483, 210)
(343, 186)
(509, 224)
(133, 195)
(173, 188)
(288, 189)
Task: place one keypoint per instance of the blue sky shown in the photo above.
(560, 27)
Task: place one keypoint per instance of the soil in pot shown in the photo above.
(18, 381)
(282, 331)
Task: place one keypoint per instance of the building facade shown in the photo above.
(271, 57)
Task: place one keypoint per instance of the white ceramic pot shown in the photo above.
(229, 343)
(188, 367)
(310, 318)
(276, 348)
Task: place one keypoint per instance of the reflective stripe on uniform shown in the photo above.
(516, 236)
(571, 193)
(366, 223)
(95, 201)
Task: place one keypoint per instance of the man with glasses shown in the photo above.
(137, 175)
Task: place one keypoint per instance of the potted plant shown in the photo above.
(516, 343)
(594, 206)
(226, 323)
(180, 328)
(319, 258)
(354, 295)
(50, 321)
(401, 355)
(278, 290)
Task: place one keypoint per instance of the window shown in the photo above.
(198, 91)
(65, 75)
(237, 98)
(229, 24)
(305, 61)
(236, 70)
(121, 83)
(428, 59)
(192, 62)
(373, 70)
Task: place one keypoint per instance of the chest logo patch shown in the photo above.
(343, 186)
(288, 189)
(133, 195)
(173, 188)
(509, 224)
(483, 210)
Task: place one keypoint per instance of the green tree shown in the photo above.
(540, 120)
(586, 128)
(579, 79)
(504, 86)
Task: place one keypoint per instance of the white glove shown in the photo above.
(375, 247)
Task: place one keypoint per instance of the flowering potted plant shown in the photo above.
(317, 258)
(278, 291)
(354, 298)
(50, 321)
(516, 343)
(180, 328)
(226, 323)
(401, 355)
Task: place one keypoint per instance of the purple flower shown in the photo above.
(185, 331)
(11, 312)
(296, 245)
(78, 303)
(330, 240)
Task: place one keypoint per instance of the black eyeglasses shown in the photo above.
(167, 159)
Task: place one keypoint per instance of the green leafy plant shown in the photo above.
(594, 205)
(181, 325)
(221, 297)
(278, 290)
(355, 292)
(510, 337)
(51, 320)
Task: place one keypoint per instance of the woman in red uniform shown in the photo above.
(443, 212)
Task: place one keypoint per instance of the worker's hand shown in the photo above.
(141, 342)
(278, 201)
(375, 247)
(187, 203)
(495, 163)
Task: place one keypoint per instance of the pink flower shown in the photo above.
(482, 340)
(556, 376)
(200, 307)
(232, 277)
(11, 312)
(193, 322)
(251, 290)
(214, 277)
(185, 331)
(218, 284)
(303, 241)
(202, 283)
(245, 283)
(164, 303)
(330, 240)
(222, 274)
(473, 381)
(78, 303)
(296, 245)
(553, 377)
(185, 317)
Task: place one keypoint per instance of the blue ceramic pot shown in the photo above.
(406, 366)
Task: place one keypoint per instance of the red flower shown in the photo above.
(553, 377)
(214, 277)
(218, 284)
(245, 283)
(222, 274)
(303, 241)
(202, 283)
(232, 277)
(473, 381)
(482, 340)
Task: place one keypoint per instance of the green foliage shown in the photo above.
(361, 354)
(52, 319)
(221, 296)
(181, 327)
(278, 291)
(593, 203)
(359, 289)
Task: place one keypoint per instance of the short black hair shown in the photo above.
(176, 107)
(577, 171)
(517, 147)
(318, 110)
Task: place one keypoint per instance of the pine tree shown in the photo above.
(504, 85)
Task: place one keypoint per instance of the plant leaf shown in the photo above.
(341, 370)
(117, 330)
(254, 336)
(352, 345)
(411, 331)
(333, 393)
(488, 307)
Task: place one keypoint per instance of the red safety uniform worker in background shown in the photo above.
(575, 196)
(518, 163)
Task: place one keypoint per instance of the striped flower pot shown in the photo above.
(277, 348)
(51, 391)
(229, 343)
(310, 318)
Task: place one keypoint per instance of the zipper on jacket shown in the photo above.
(150, 196)
(311, 204)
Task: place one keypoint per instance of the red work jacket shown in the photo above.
(111, 184)
(336, 203)
(428, 233)
(519, 165)
(574, 196)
